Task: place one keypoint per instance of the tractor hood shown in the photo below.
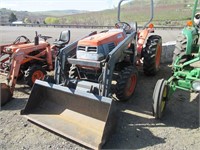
(13, 48)
(115, 36)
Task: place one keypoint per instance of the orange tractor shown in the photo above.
(90, 73)
(28, 60)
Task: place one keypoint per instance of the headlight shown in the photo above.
(196, 85)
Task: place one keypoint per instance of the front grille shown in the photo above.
(92, 49)
(81, 48)
(87, 48)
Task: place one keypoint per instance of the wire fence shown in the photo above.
(85, 26)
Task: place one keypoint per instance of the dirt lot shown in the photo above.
(135, 129)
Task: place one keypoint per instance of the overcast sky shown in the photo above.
(43, 5)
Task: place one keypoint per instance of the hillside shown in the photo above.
(58, 13)
(35, 17)
(166, 12)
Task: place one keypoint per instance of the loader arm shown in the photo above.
(61, 60)
(15, 66)
(8, 89)
(22, 56)
(116, 55)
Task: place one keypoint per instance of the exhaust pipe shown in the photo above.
(6, 94)
(80, 116)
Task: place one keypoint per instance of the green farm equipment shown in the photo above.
(185, 73)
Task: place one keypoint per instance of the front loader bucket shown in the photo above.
(82, 117)
(6, 94)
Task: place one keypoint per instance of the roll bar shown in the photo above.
(151, 12)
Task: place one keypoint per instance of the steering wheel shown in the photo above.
(45, 37)
(18, 39)
(123, 25)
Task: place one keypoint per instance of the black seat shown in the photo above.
(63, 39)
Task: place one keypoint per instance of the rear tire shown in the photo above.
(152, 54)
(160, 97)
(180, 48)
(126, 83)
(34, 72)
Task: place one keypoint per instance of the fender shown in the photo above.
(192, 36)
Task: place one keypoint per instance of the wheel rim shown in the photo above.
(160, 96)
(37, 75)
(131, 85)
(163, 100)
(158, 55)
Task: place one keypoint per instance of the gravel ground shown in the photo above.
(135, 128)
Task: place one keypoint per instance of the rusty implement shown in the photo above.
(80, 116)
(6, 93)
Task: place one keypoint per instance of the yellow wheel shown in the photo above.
(160, 96)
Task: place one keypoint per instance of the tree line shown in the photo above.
(47, 20)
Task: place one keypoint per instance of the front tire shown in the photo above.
(34, 72)
(160, 97)
(73, 72)
(126, 83)
(152, 54)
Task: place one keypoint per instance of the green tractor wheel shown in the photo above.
(180, 48)
(160, 98)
